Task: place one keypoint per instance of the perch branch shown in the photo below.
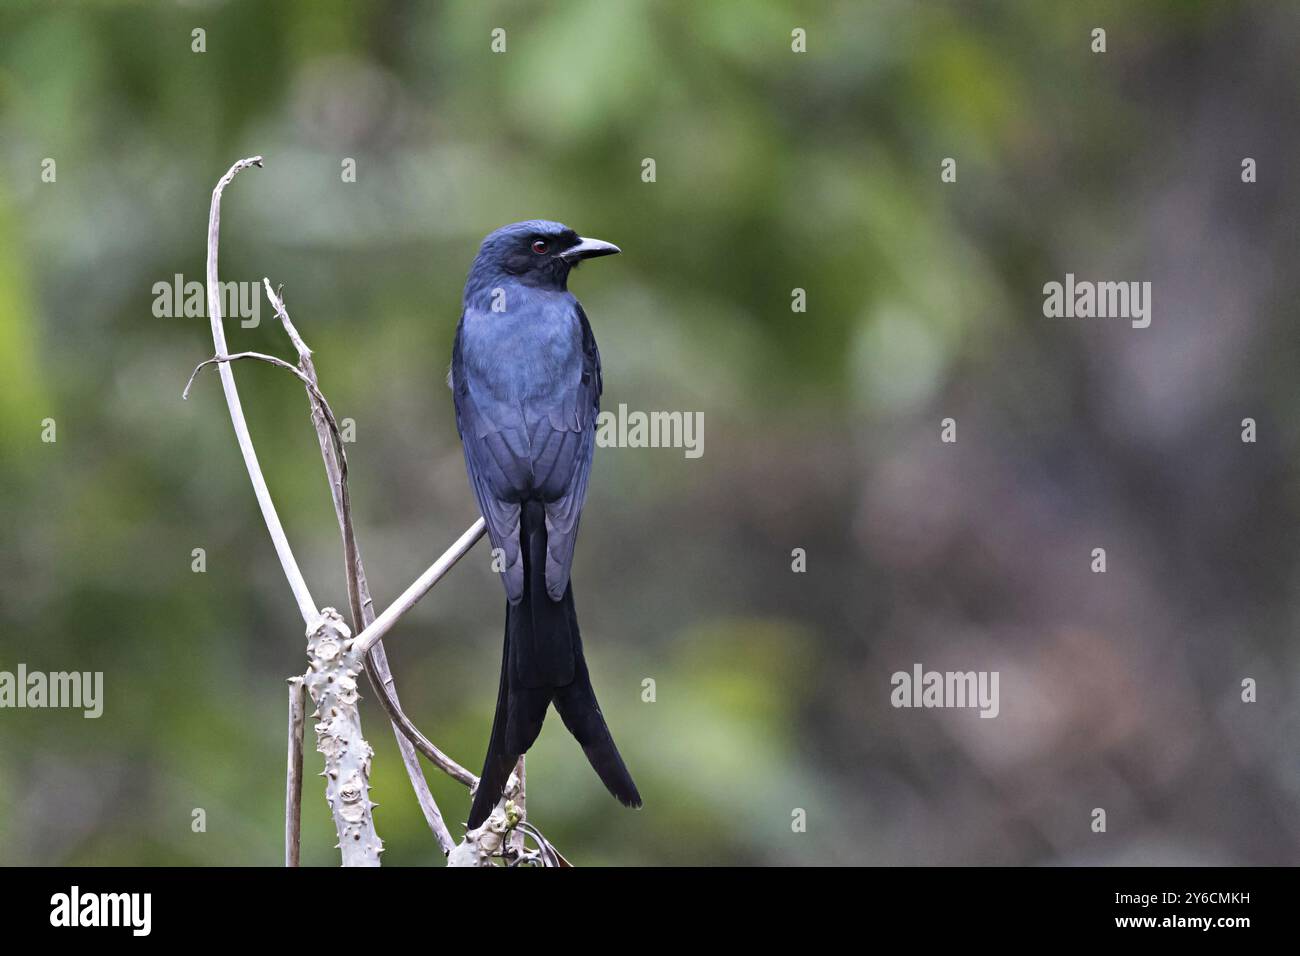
(358, 592)
(502, 835)
(293, 779)
(362, 607)
(488, 840)
(421, 586)
(338, 734)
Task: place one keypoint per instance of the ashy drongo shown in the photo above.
(525, 376)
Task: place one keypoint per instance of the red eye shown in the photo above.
(539, 246)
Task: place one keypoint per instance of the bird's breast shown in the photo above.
(523, 355)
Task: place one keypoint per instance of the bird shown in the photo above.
(526, 385)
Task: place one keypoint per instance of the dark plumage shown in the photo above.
(525, 376)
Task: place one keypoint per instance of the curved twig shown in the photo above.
(409, 738)
(549, 855)
(306, 605)
(270, 360)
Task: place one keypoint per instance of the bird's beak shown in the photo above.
(589, 249)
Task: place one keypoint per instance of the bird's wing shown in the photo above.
(539, 447)
(577, 439)
(494, 473)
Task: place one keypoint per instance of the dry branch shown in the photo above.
(363, 850)
(293, 778)
(421, 586)
(296, 583)
(362, 607)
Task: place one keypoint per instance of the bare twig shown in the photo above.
(339, 737)
(359, 599)
(358, 592)
(410, 733)
(291, 571)
(278, 363)
(546, 854)
(421, 586)
(293, 779)
(406, 733)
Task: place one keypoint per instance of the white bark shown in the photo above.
(334, 665)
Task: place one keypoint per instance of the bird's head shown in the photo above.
(536, 252)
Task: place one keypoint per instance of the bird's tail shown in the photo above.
(542, 662)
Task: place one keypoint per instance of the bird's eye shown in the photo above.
(539, 246)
